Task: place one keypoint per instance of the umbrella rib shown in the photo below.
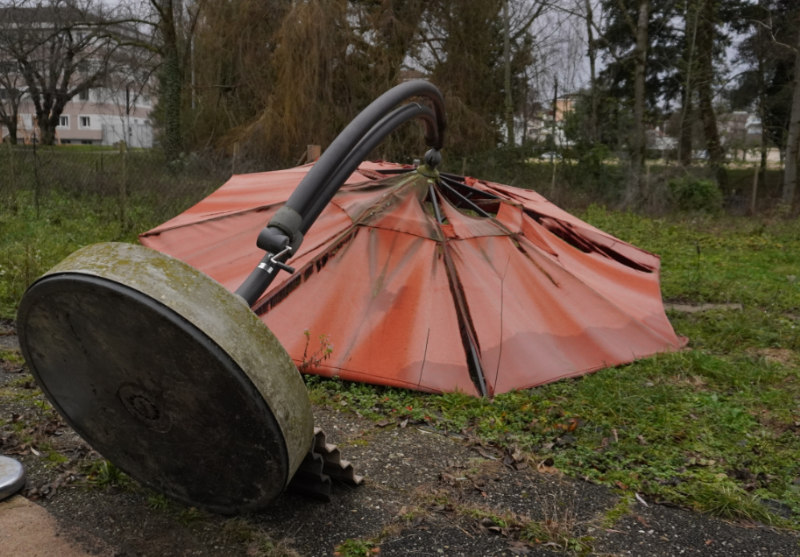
(392, 171)
(574, 238)
(424, 356)
(451, 178)
(465, 327)
(465, 200)
(436, 210)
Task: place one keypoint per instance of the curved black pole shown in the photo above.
(307, 191)
(370, 141)
(284, 233)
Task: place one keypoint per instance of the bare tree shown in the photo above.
(585, 35)
(519, 17)
(12, 89)
(591, 53)
(166, 28)
(61, 49)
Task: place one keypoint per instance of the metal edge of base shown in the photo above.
(12, 477)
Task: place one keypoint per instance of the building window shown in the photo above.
(63, 121)
(84, 121)
(84, 95)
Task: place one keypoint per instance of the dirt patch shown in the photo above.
(425, 494)
(783, 356)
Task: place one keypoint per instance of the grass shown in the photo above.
(61, 200)
(33, 244)
(713, 428)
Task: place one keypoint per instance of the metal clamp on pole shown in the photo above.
(260, 278)
(276, 260)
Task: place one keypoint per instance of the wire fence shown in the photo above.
(141, 182)
(132, 179)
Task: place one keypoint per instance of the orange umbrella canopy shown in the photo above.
(437, 283)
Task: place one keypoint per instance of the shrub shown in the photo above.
(695, 194)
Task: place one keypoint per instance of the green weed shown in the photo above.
(13, 357)
(158, 501)
(619, 510)
(104, 473)
(356, 548)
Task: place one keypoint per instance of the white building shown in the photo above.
(99, 117)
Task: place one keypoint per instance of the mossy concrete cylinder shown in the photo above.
(168, 375)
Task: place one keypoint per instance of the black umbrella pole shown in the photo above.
(306, 196)
(284, 233)
(370, 141)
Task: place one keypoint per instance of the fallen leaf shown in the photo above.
(519, 548)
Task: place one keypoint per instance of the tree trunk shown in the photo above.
(635, 186)
(509, 101)
(793, 140)
(685, 143)
(171, 89)
(592, 54)
(688, 114)
(47, 135)
(48, 114)
(11, 125)
(762, 103)
(705, 54)
(171, 79)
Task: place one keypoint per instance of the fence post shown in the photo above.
(233, 159)
(123, 187)
(36, 184)
(9, 193)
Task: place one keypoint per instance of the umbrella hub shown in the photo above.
(428, 172)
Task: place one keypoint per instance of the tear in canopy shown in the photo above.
(440, 283)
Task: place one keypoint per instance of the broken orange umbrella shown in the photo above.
(436, 282)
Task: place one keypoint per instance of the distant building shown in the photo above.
(545, 124)
(103, 116)
(739, 130)
(659, 142)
